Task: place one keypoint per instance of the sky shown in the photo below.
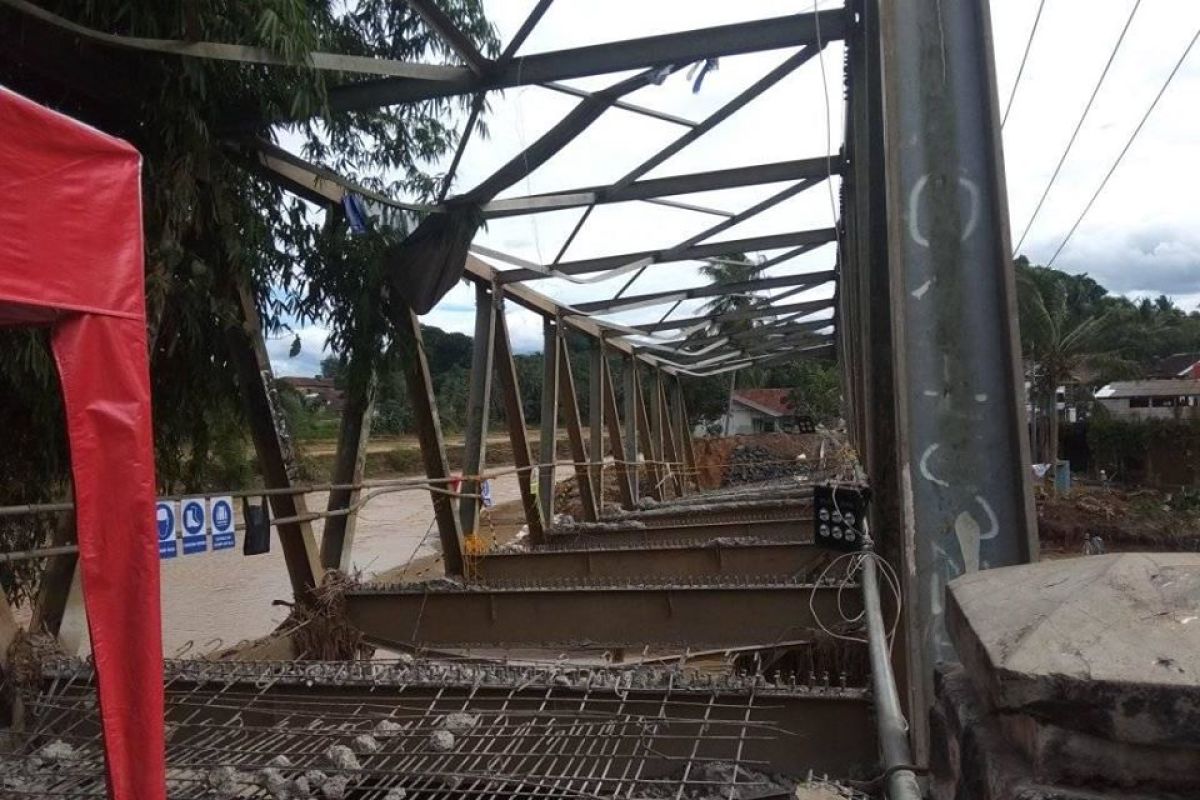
(1142, 236)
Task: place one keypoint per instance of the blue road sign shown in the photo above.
(221, 513)
(193, 513)
(164, 519)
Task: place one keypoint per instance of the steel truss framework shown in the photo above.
(922, 310)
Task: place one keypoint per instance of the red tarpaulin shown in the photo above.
(71, 259)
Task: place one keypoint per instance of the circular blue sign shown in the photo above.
(165, 519)
(222, 516)
(193, 518)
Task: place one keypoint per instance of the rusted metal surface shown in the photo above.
(686, 558)
(514, 415)
(612, 422)
(579, 451)
(708, 612)
(272, 442)
(546, 730)
(791, 528)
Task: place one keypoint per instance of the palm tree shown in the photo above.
(1057, 341)
(730, 269)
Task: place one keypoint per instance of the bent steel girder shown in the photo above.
(649, 611)
(647, 52)
(806, 280)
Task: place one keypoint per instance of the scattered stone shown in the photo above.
(342, 757)
(302, 787)
(442, 741)
(58, 752)
(280, 761)
(276, 785)
(335, 788)
(225, 782)
(459, 722)
(396, 794)
(314, 777)
(365, 744)
(387, 728)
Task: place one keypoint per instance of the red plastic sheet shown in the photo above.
(71, 258)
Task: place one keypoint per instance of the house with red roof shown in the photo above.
(764, 411)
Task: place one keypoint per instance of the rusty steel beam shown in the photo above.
(514, 415)
(479, 406)
(272, 443)
(709, 612)
(612, 422)
(651, 452)
(633, 533)
(666, 429)
(686, 558)
(579, 453)
(652, 51)
(685, 434)
(549, 425)
(429, 432)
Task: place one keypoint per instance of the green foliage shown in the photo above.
(211, 225)
(1121, 446)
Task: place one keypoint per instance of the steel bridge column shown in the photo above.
(626, 475)
(597, 375)
(337, 539)
(549, 432)
(962, 449)
(514, 414)
(272, 443)
(632, 390)
(479, 405)
(429, 431)
(579, 453)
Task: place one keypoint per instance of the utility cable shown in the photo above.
(1025, 57)
(1062, 159)
(1125, 149)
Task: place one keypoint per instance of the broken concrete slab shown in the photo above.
(1106, 645)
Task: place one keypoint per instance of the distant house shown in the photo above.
(1151, 399)
(763, 411)
(320, 392)
(1180, 365)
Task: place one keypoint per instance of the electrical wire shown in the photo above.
(1021, 69)
(1133, 136)
(1062, 159)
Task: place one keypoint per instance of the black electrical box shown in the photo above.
(838, 513)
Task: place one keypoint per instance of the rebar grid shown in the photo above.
(432, 729)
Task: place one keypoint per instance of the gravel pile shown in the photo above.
(754, 464)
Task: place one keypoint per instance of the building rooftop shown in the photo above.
(775, 402)
(1171, 387)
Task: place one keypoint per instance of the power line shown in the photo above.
(1024, 58)
(1125, 149)
(1078, 126)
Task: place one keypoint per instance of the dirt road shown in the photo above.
(216, 599)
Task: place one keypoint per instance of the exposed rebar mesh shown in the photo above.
(413, 728)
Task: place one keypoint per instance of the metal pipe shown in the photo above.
(900, 781)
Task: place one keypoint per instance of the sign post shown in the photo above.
(165, 522)
(222, 523)
(193, 513)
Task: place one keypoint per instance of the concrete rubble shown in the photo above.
(1078, 679)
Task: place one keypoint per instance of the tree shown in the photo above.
(1058, 338)
(731, 269)
(210, 224)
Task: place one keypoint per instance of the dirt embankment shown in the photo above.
(1125, 519)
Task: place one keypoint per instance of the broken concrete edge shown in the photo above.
(1126, 710)
(972, 758)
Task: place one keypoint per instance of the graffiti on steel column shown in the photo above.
(970, 519)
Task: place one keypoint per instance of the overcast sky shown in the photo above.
(1141, 237)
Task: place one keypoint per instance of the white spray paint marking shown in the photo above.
(920, 291)
(914, 217)
(973, 215)
(923, 466)
(994, 529)
(931, 393)
(981, 398)
(914, 220)
(968, 533)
